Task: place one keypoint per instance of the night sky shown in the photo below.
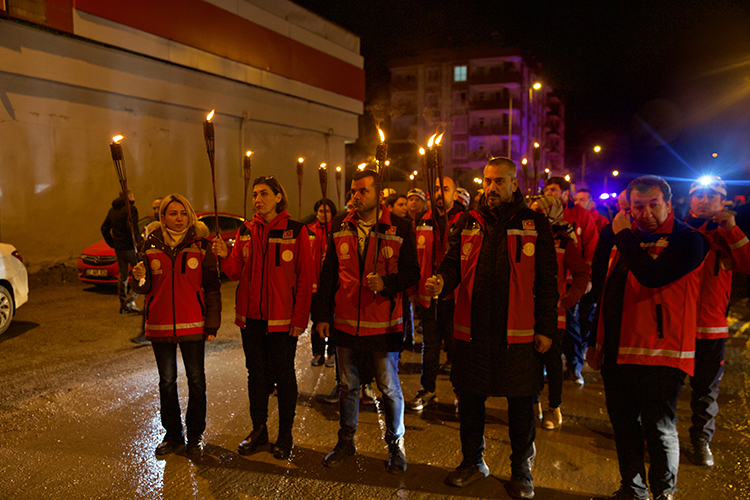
(628, 71)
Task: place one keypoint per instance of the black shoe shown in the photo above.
(344, 448)
(283, 448)
(464, 475)
(521, 487)
(396, 457)
(665, 496)
(168, 446)
(129, 310)
(257, 438)
(317, 360)
(620, 495)
(700, 453)
(140, 340)
(333, 397)
(195, 446)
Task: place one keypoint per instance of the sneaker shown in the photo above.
(521, 487)
(331, 361)
(344, 449)
(574, 376)
(256, 439)
(552, 418)
(464, 475)
(169, 446)
(195, 446)
(665, 496)
(141, 340)
(620, 495)
(700, 453)
(446, 368)
(333, 397)
(129, 310)
(538, 410)
(422, 399)
(317, 360)
(368, 395)
(396, 457)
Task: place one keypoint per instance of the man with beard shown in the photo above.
(437, 315)
(358, 304)
(503, 265)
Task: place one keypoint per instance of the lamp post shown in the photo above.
(596, 149)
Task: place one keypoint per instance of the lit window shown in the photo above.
(459, 73)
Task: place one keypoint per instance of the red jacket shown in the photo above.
(274, 267)
(569, 261)
(585, 228)
(599, 219)
(182, 287)
(318, 246)
(522, 242)
(425, 235)
(729, 251)
(355, 309)
(658, 323)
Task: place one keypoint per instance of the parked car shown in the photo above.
(97, 263)
(14, 284)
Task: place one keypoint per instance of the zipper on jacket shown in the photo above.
(660, 321)
(717, 264)
(174, 309)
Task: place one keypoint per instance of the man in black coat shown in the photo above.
(116, 232)
(499, 247)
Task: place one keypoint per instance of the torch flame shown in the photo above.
(248, 154)
(323, 165)
(437, 141)
(300, 160)
(382, 135)
(421, 151)
(431, 141)
(117, 139)
(338, 169)
(210, 115)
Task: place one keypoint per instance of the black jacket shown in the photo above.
(488, 365)
(115, 227)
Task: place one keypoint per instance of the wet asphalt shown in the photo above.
(79, 420)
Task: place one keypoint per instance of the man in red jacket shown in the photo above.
(586, 201)
(358, 304)
(729, 251)
(645, 335)
(575, 340)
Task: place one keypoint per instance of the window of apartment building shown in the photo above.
(431, 100)
(433, 75)
(459, 150)
(459, 73)
(460, 124)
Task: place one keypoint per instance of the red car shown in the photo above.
(98, 264)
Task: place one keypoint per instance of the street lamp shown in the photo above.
(596, 149)
(477, 180)
(615, 173)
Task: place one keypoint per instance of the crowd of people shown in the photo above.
(510, 287)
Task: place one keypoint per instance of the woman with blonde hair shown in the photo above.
(177, 272)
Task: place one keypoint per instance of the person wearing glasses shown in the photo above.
(271, 259)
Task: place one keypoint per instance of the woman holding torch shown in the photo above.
(271, 259)
(177, 270)
(319, 231)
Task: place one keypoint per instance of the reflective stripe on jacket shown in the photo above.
(425, 233)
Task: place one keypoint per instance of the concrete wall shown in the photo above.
(63, 98)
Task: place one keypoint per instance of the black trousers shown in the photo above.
(521, 429)
(434, 333)
(709, 369)
(269, 358)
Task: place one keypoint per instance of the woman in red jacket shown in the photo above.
(271, 259)
(177, 270)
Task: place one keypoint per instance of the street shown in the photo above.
(79, 419)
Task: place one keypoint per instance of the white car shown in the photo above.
(14, 284)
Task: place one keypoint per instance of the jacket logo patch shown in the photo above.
(421, 240)
(245, 251)
(391, 230)
(387, 252)
(466, 249)
(529, 225)
(344, 251)
(528, 249)
(288, 235)
(726, 264)
(155, 265)
(192, 263)
(287, 255)
(245, 237)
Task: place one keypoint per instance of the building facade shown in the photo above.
(486, 104)
(284, 82)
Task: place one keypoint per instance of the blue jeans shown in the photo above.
(646, 412)
(575, 341)
(166, 361)
(385, 367)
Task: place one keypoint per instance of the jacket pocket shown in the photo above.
(200, 302)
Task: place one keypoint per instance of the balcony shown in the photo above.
(506, 77)
(404, 84)
(477, 105)
(493, 130)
